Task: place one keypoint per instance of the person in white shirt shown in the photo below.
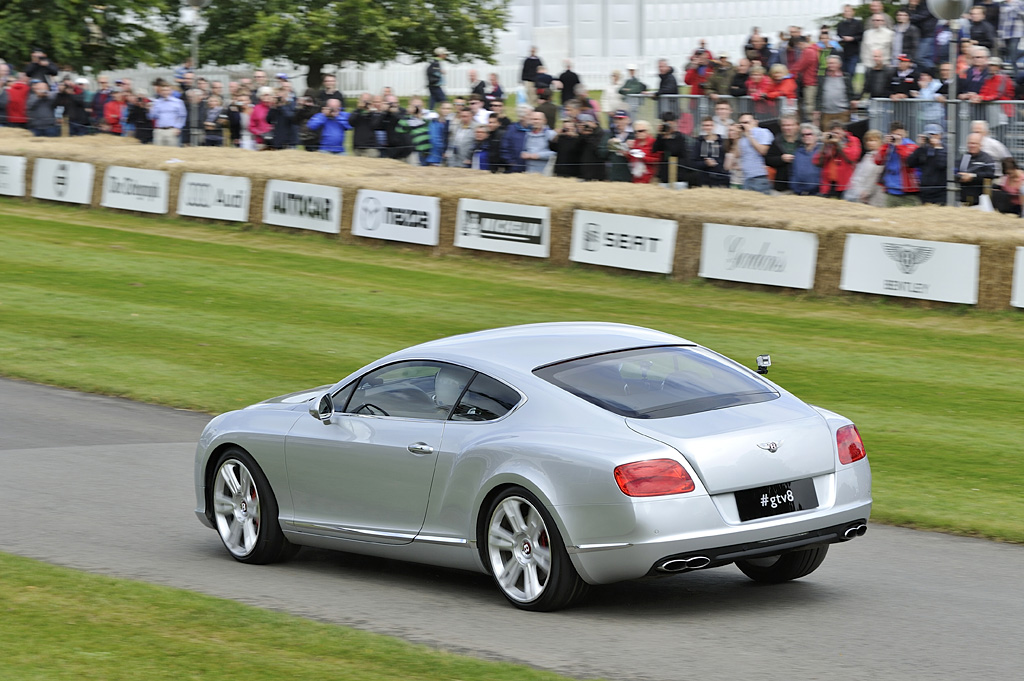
(878, 37)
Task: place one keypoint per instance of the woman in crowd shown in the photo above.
(732, 156)
(781, 87)
(259, 126)
(643, 162)
(864, 187)
(1006, 188)
(216, 120)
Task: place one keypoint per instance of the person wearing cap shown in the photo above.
(71, 97)
(39, 110)
(974, 167)
(435, 78)
(904, 78)
(877, 37)
(721, 77)
(930, 160)
(906, 38)
(999, 86)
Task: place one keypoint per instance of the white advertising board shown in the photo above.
(911, 268)
(12, 176)
(217, 197)
(623, 241)
(135, 189)
(1017, 296)
(755, 255)
(65, 181)
(397, 217)
(503, 228)
(303, 206)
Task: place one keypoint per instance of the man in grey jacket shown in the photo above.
(537, 147)
(39, 110)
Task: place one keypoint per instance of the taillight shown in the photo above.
(653, 478)
(851, 448)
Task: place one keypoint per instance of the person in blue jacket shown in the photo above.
(332, 123)
(805, 177)
(513, 142)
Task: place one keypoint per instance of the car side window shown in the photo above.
(415, 389)
(486, 399)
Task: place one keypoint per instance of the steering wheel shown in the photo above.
(371, 409)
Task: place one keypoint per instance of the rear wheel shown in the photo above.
(776, 569)
(245, 510)
(526, 556)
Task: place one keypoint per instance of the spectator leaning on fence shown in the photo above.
(973, 169)
(932, 112)
(991, 146)
(168, 116)
(899, 180)
(738, 85)
(904, 79)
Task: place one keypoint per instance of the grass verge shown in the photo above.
(64, 624)
(215, 317)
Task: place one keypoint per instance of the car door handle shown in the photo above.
(420, 448)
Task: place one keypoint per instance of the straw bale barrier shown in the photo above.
(997, 235)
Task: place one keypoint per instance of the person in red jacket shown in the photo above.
(781, 90)
(17, 99)
(643, 160)
(837, 159)
(806, 75)
(113, 113)
(998, 87)
(698, 71)
(757, 88)
(898, 179)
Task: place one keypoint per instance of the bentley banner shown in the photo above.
(409, 218)
(12, 176)
(135, 189)
(66, 181)
(910, 268)
(503, 228)
(1017, 297)
(755, 255)
(217, 197)
(623, 241)
(303, 206)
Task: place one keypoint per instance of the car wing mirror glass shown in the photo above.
(322, 408)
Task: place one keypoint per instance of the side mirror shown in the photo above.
(322, 409)
(763, 362)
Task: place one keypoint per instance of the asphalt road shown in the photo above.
(105, 485)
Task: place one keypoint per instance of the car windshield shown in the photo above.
(659, 382)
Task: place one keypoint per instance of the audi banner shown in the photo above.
(623, 241)
(503, 228)
(65, 181)
(303, 206)
(756, 255)
(911, 268)
(409, 218)
(12, 176)
(136, 189)
(217, 197)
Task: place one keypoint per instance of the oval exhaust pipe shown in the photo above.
(862, 530)
(854, 531)
(683, 564)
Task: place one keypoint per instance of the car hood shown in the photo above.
(730, 449)
(291, 399)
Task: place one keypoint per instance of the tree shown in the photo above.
(315, 33)
(103, 34)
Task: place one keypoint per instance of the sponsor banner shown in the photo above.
(1017, 297)
(624, 241)
(135, 189)
(218, 197)
(397, 217)
(12, 176)
(66, 181)
(303, 206)
(503, 228)
(755, 255)
(911, 268)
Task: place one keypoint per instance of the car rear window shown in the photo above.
(659, 382)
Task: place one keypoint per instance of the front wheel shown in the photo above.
(245, 510)
(526, 555)
(788, 566)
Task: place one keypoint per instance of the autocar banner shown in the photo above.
(304, 206)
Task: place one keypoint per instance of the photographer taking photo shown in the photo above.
(930, 159)
(837, 159)
(671, 142)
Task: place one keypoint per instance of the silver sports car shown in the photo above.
(551, 456)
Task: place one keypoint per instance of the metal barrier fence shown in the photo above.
(690, 109)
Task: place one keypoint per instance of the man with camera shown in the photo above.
(40, 68)
(753, 146)
(366, 120)
(898, 179)
(41, 103)
(671, 142)
(71, 96)
(930, 159)
(331, 122)
(837, 159)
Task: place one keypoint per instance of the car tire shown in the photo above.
(788, 566)
(524, 552)
(245, 510)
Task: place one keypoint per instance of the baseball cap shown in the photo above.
(82, 81)
(631, 67)
(933, 129)
(585, 118)
(995, 61)
(723, 56)
(620, 114)
(282, 76)
(34, 81)
(904, 57)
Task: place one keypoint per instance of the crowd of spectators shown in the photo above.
(797, 132)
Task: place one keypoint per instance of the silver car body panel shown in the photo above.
(352, 484)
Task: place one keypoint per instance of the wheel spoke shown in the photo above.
(535, 525)
(234, 535)
(542, 556)
(500, 538)
(245, 480)
(250, 533)
(512, 511)
(510, 574)
(531, 584)
(222, 504)
(227, 474)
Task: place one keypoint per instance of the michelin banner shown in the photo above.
(304, 206)
(217, 197)
(503, 228)
(409, 218)
(755, 255)
(66, 181)
(135, 189)
(623, 241)
(12, 176)
(1017, 297)
(911, 268)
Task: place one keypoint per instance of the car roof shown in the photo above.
(526, 347)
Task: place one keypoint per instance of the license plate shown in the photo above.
(784, 497)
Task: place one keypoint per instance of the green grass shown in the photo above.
(215, 317)
(62, 624)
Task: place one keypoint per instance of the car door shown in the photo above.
(366, 474)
